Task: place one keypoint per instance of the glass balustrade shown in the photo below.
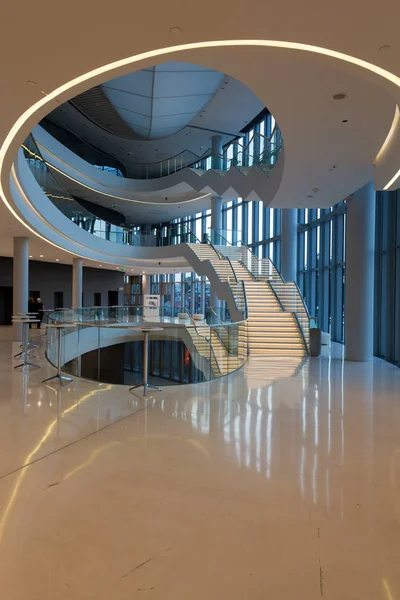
(259, 150)
(159, 235)
(202, 351)
(263, 269)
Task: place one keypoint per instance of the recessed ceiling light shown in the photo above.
(57, 260)
(29, 82)
(175, 30)
(310, 196)
(339, 96)
(100, 265)
(315, 190)
(41, 256)
(345, 121)
(384, 48)
(30, 256)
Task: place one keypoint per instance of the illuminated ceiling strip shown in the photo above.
(16, 215)
(391, 182)
(390, 135)
(86, 77)
(164, 204)
(387, 589)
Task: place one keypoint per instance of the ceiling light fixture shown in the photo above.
(41, 256)
(29, 82)
(339, 96)
(315, 190)
(175, 30)
(57, 260)
(30, 256)
(384, 48)
(345, 121)
(70, 86)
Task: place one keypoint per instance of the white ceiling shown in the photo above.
(228, 111)
(296, 85)
(162, 100)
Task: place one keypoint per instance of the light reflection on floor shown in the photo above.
(280, 481)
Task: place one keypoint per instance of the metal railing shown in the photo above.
(96, 326)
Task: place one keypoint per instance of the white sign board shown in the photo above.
(151, 306)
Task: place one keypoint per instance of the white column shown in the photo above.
(77, 271)
(216, 218)
(216, 227)
(216, 151)
(145, 284)
(289, 244)
(20, 281)
(360, 247)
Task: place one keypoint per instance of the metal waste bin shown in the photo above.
(315, 342)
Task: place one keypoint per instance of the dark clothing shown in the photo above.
(39, 307)
(31, 309)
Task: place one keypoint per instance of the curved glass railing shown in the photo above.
(82, 148)
(201, 350)
(83, 218)
(259, 150)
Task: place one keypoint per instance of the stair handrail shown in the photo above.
(301, 331)
(190, 231)
(218, 327)
(276, 295)
(212, 351)
(241, 244)
(302, 299)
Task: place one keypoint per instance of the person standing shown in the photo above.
(40, 311)
(31, 309)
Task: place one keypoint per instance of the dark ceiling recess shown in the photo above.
(81, 147)
(95, 105)
(106, 214)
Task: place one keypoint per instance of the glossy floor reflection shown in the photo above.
(279, 481)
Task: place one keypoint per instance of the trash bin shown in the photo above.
(315, 342)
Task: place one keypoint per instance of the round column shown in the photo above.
(216, 228)
(216, 151)
(145, 284)
(289, 244)
(77, 272)
(216, 219)
(360, 248)
(20, 282)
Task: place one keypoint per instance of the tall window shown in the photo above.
(321, 265)
(387, 277)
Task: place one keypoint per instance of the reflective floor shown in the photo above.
(281, 481)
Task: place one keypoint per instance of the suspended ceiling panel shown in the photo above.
(162, 100)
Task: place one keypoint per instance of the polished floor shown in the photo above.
(281, 481)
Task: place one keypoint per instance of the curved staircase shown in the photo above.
(276, 316)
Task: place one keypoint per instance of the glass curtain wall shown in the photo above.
(387, 277)
(321, 273)
(321, 268)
